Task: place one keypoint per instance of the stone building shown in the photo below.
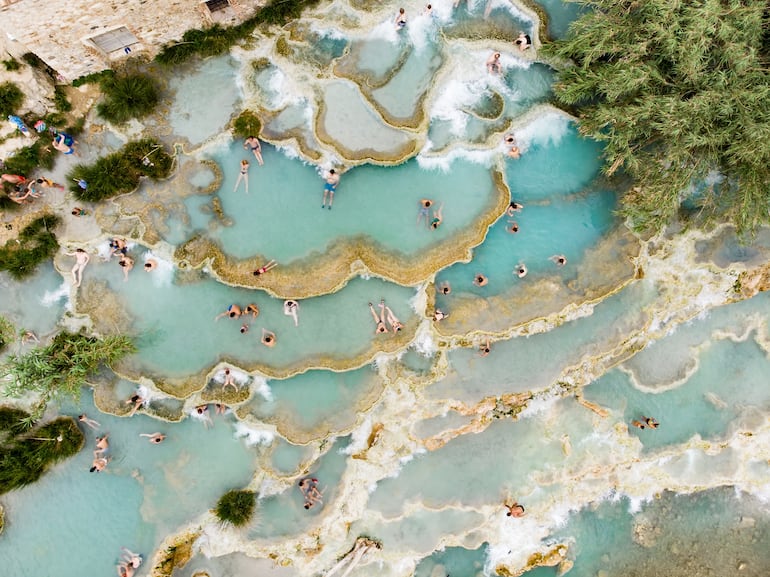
(77, 37)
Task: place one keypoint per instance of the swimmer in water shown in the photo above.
(480, 280)
(395, 324)
(514, 207)
(332, 180)
(558, 259)
(400, 19)
(484, 349)
(154, 438)
(243, 175)
(514, 227)
(126, 263)
(424, 211)
(379, 320)
(290, 308)
(268, 338)
(251, 309)
(445, 288)
(493, 64)
(437, 217)
(233, 311)
(89, 422)
(150, 265)
(521, 270)
(252, 144)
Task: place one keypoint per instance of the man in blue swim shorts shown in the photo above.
(332, 179)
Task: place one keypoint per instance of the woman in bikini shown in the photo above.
(243, 176)
(264, 268)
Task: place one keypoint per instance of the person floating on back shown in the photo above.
(332, 180)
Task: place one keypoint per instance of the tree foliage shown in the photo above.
(59, 369)
(235, 507)
(678, 89)
(36, 243)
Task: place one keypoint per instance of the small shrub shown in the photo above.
(11, 98)
(247, 124)
(127, 97)
(36, 243)
(12, 65)
(24, 457)
(236, 507)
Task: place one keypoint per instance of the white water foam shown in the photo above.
(253, 436)
(163, 274)
(50, 298)
(484, 157)
(260, 386)
(546, 130)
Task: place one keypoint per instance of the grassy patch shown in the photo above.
(60, 99)
(25, 456)
(11, 98)
(120, 172)
(235, 507)
(127, 96)
(7, 332)
(12, 65)
(93, 78)
(247, 124)
(36, 243)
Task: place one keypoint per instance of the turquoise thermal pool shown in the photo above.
(420, 438)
